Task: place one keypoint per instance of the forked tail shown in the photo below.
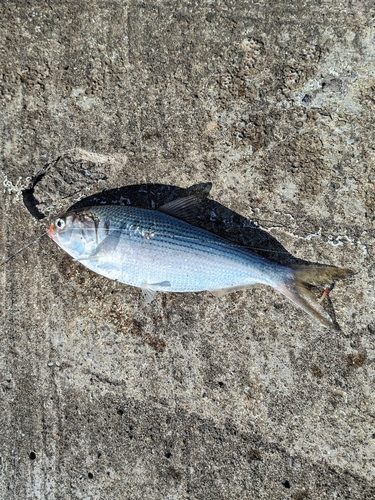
(300, 290)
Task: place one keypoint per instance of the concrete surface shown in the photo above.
(193, 397)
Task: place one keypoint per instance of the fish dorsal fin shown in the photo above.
(183, 208)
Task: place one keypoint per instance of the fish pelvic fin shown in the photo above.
(301, 290)
(149, 290)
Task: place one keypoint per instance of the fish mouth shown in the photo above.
(51, 230)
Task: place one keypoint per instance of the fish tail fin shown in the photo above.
(300, 290)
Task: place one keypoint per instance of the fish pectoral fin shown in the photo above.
(220, 292)
(106, 246)
(183, 208)
(149, 290)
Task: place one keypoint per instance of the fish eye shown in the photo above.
(60, 223)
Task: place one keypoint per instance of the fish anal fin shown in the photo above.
(220, 292)
(107, 245)
(183, 208)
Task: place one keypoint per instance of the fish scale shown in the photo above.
(189, 258)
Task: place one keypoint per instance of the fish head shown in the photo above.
(76, 232)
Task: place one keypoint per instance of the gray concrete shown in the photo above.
(193, 397)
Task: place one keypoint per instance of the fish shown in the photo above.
(161, 250)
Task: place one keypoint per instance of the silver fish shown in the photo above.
(157, 251)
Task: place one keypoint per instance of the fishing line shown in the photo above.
(22, 249)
